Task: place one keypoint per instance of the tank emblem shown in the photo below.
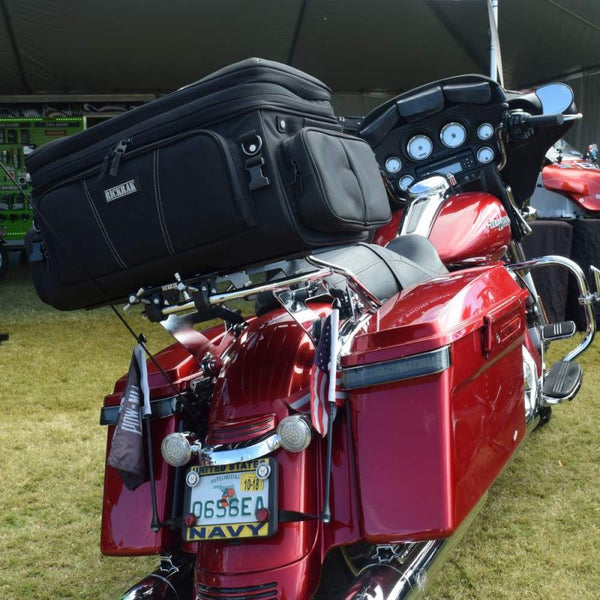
(499, 223)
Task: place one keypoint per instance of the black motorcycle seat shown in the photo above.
(383, 271)
(420, 250)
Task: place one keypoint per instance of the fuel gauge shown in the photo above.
(485, 131)
(405, 182)
(485, 155)
(393, 164)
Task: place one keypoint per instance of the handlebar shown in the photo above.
(544, 120)
(518, 120)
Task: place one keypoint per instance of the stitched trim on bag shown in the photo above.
(354, 172)
(107, 239)
(159, 207)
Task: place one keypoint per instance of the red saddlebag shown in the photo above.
(436, 394)
(200, 182)
(127, 514)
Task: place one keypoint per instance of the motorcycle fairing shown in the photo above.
(428, 448)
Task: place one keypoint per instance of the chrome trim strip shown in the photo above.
(408, 367)
(427, 197)
(212, 456)
(586, 298)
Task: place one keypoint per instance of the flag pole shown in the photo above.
(155, 524)
(334, 326)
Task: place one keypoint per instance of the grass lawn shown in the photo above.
(538, 536)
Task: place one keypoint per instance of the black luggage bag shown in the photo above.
(245, 166)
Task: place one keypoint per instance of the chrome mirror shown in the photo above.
(555, 98)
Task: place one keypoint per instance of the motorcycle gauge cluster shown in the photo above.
(453, 135)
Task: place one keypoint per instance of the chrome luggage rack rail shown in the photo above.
(200, 293)
(217, 299)
(586, 297)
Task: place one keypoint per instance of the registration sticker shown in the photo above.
(232, 501)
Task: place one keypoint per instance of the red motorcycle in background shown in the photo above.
(338, 442)
(568, 186)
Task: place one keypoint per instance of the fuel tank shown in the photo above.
(579, 180)
(471, 229)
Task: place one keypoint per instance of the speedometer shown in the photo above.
(453, 135)
(419, 147)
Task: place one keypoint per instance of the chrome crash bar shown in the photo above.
(586, 297)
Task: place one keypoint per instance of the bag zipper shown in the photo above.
(296, 178)
(115, 155)
(113, 158)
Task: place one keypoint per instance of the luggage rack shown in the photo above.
(201, 294)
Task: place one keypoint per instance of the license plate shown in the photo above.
(229, 502)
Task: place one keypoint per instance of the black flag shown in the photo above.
(127, 449)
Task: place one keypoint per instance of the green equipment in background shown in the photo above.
(19, 136)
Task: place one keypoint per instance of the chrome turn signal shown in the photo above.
(295, 433)
(176, 449)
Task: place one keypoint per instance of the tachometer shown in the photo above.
(453, 135)
(419, 147)
(485, 131)
(485, 155)
(393, 164)
(405, 182)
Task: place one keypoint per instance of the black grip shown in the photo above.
(544, 120)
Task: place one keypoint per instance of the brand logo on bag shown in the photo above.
(123, 189)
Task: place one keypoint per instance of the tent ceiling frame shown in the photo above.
(458, 36)
(69, 98)
(297, 31)
(15, 46)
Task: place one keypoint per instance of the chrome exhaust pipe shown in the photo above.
(407, 579)
(391, 582)
(173, 580)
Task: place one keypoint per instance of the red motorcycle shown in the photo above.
(569, 184)
(337, 443)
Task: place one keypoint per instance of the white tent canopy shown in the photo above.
(364, 50)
